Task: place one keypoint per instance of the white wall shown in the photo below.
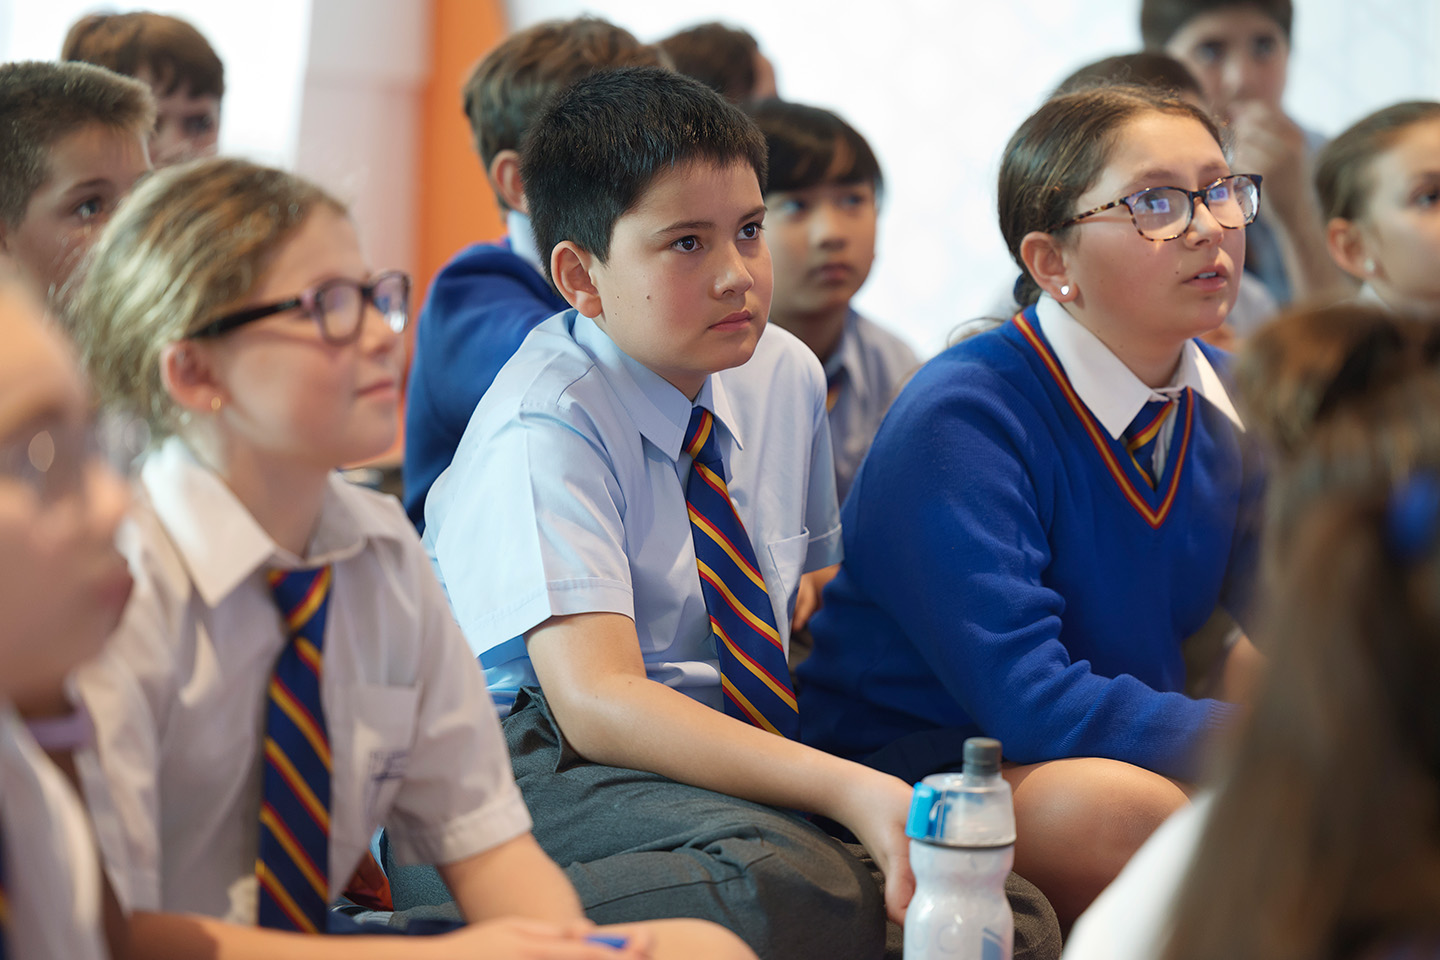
(937, 87)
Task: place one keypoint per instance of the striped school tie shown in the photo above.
(753, 672)
(1141, 435)
(294, 859)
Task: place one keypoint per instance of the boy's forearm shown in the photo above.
(515, 879)
(620, 718)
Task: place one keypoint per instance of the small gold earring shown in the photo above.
(215, 403)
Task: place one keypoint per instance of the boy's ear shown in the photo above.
(1348, 248)
(570, 266)
(1045, 260)
(188, 371)
(505, 180)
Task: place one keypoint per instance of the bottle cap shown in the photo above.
(973, 809)
(982, 756)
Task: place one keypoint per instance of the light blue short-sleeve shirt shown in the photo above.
(567, 495)
(869, 366)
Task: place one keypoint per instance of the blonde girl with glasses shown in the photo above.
(1053, 506)
(231, 306)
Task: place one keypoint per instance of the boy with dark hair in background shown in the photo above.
(491, 295)
(174, 60)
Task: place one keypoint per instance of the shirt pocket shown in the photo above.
(787, 563)
(384, 732)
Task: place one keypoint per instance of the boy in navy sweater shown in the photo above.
(490, 296)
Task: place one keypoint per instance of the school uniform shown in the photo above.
(413, 742)
(479, 309)
(574, 463)
(51, 874)
(1010, 571)
(863, 374)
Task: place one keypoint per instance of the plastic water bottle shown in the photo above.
(962, 845)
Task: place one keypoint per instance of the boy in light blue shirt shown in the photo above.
(569, 538)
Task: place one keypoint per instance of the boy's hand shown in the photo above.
(876, 814)
(517, 939)
(1269, 143)
(807, 598)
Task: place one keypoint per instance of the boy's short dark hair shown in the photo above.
(507, 89)
(1147, 69)
(721, 57)
(42, 102)
(1162, 19)
(171, 50)
(593, 152)
(809, 146)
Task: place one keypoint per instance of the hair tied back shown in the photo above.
(1410, 516)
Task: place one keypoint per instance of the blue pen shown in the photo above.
(616, 942)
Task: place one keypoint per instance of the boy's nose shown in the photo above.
(735, 275)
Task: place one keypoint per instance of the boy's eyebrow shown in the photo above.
(686, 225)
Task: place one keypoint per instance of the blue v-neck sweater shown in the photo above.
(1008, 571)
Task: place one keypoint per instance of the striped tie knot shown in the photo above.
(754, 676)
(293, 862)
(1142, 435)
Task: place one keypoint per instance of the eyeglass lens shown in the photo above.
(1164, 212)
(341, 305)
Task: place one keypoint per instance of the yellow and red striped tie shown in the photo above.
(1143, 432)
(294, 857)
(753, 672)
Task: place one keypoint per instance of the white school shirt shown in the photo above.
(415, 745)
(52, 874)
(1111, 390)
(871, 365)
(1131, 918)
(567, 495)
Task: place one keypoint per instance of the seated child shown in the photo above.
(1051, 507)
(1379, 186)
(74, 145)
(300, 679)
(174, 60)
(725, 59)
(486, 300)
(624, 527)
(1321, 835)
(62, 586)
(821, 202)
(1239, 51)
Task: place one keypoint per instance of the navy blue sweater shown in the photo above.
(482, 305)
(1008, 572)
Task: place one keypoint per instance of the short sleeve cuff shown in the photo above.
(502, 818)
(558, 598)
(825, 550)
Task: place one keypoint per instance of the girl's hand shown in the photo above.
(514, 938)
(876, 814)
(1269, 143)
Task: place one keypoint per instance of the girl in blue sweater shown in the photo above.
(1053, 506)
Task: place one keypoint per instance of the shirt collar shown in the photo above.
(218, 540)
(846, 357)
(522, 239)
(658, 409)
(1109, 388)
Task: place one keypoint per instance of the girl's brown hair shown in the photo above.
(1342, 169)
(1324, 838)
(1060, 151)
(187, 245)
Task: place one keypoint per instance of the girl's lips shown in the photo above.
(1211, 279)
(382, 387)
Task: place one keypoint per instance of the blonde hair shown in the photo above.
(190, 243)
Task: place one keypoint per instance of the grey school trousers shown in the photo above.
(638, 846)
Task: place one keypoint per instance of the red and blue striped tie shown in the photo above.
(1142, 434)
(293, 863)
(753, 672)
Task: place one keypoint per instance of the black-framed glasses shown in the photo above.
(337, 307)
(1165, 213)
